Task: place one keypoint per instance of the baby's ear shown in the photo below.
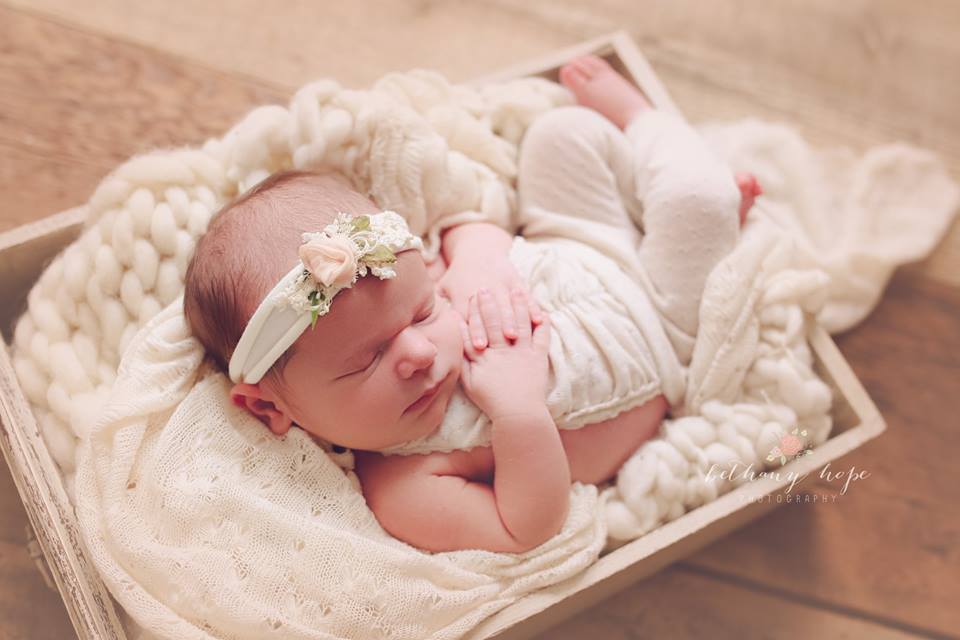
(252, 398)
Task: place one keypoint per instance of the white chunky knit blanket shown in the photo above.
(204, 526)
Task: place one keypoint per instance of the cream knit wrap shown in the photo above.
(205, 526)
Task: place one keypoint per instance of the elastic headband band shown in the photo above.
(330, 261)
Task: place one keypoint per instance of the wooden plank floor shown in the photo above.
(84, 84)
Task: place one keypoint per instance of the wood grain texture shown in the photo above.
(28, 610)
(75, 105)
(84, 85)
(37, 185)
(292, 42)
(682, 603)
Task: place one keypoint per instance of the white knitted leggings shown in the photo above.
(654, 198)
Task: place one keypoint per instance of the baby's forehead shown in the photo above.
(377, 298)
(361, 315)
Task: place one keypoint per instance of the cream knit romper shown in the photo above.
(619, 232)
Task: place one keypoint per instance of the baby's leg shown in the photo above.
(597, 86)
(689, 198)
(690, 218)
(576, 181)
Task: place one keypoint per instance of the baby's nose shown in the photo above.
(419, 353)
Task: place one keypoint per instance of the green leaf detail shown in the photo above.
(381, 253)
(314, 314)
(360, 223)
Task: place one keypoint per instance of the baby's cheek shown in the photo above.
(452, 337)
(437, 268)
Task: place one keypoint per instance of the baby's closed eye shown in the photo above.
(424, 316)
(373, 360)
(429, 313)
(376, 356)
(365, 367)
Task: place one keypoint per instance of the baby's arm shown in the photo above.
(433, 502)
(475, 241)
(421, 500)
(478, 256)
(508, 382)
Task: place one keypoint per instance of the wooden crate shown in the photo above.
(26, 250)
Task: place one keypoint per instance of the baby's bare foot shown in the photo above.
(596, 85)
(749, 190)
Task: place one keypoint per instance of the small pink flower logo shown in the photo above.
(790, 446)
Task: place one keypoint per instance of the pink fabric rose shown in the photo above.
(790, 444)
(332, 261)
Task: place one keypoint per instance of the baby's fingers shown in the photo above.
(476, 329)
(469, 351)
(521, 311)
(492, 320)
(469, 354)
(507, 320)
(541, 335)
(536, 313)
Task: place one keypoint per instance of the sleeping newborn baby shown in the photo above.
(474, 390)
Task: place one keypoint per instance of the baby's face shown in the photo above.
(358, 378)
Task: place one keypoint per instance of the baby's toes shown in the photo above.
(583, 66)
(749, 190)
(748, 184)
(595, 65)
(571, 76)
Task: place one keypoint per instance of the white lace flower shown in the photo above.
(347, 249)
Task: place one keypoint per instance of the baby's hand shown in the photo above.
(508, 377)
(464, 277)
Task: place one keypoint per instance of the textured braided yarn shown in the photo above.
(437, 154)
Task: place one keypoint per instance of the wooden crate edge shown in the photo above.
(42, 227)
(51, 514)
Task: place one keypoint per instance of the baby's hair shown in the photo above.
(250, 244)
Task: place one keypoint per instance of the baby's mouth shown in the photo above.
(426, 398)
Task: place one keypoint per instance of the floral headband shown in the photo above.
(330, 261)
